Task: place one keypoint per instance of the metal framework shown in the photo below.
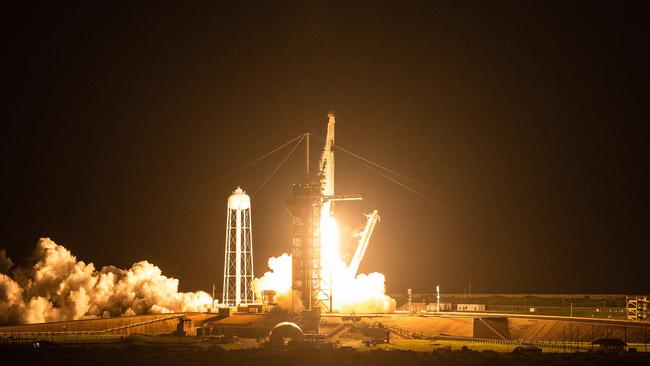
(637, 308)
(304, 207)
(238, 259)
(310, 200)
(373, 218)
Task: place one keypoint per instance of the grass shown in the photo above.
(163, 356)
(421, 345)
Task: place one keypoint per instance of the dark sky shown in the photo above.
(526, 119)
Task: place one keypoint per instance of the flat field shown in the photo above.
(184, 355)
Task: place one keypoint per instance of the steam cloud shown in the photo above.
(279, 279)
(364, 293)
(55, 287)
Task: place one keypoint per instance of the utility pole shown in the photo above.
(307, 154)
(410, 298)
(331, 288)
(438, 297)
(563, 338)
(212, 307)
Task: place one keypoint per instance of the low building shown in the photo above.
(414, 307)
(470, 307)
(444, 306)
(184, 327)
(610, 345)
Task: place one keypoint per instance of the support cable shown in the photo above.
(373, 167)
(168, 207)
(412, 190)
(382, 167)
(279, 166)
(427, 198)
(301, 136)
(377, 165)
(397, 174)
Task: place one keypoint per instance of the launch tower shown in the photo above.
(310, 199)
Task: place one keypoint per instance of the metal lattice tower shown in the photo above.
(238, 260)
(309, 200)
(304, 207)
(637, 308)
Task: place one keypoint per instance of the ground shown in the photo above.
(182, 355)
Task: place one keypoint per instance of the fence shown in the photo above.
(564, 346)
(23, 339)
(16, 340)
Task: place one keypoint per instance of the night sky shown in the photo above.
(526, 120)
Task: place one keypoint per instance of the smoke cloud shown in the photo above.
(364, 293)
(55, 286)
(5, 262)
(278, 279)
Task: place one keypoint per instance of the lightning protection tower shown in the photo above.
(238, 260)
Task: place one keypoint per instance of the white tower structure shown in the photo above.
(238, 260)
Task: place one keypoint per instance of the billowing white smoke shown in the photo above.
(278, 279)
(58, 287)
(364, 293)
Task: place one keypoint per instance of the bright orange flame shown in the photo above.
(364, 293)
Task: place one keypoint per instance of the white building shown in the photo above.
(470, 307)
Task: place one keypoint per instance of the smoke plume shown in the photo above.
(278, 279)
(5, 262)
(364, 293)
(55, 286)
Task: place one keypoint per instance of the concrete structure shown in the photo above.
(238, 259)
(184, 327)
(124, 325)
(285, 331)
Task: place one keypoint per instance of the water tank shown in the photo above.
(239, 200)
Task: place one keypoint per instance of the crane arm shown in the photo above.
(373, 218)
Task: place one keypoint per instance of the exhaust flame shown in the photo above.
(364, 293)
(58, 287)
(350, 294)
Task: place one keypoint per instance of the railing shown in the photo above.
(13, 340)
(73, 338)
(76, 337)
(565, 346)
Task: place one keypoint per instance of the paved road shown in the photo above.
(462, 314)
